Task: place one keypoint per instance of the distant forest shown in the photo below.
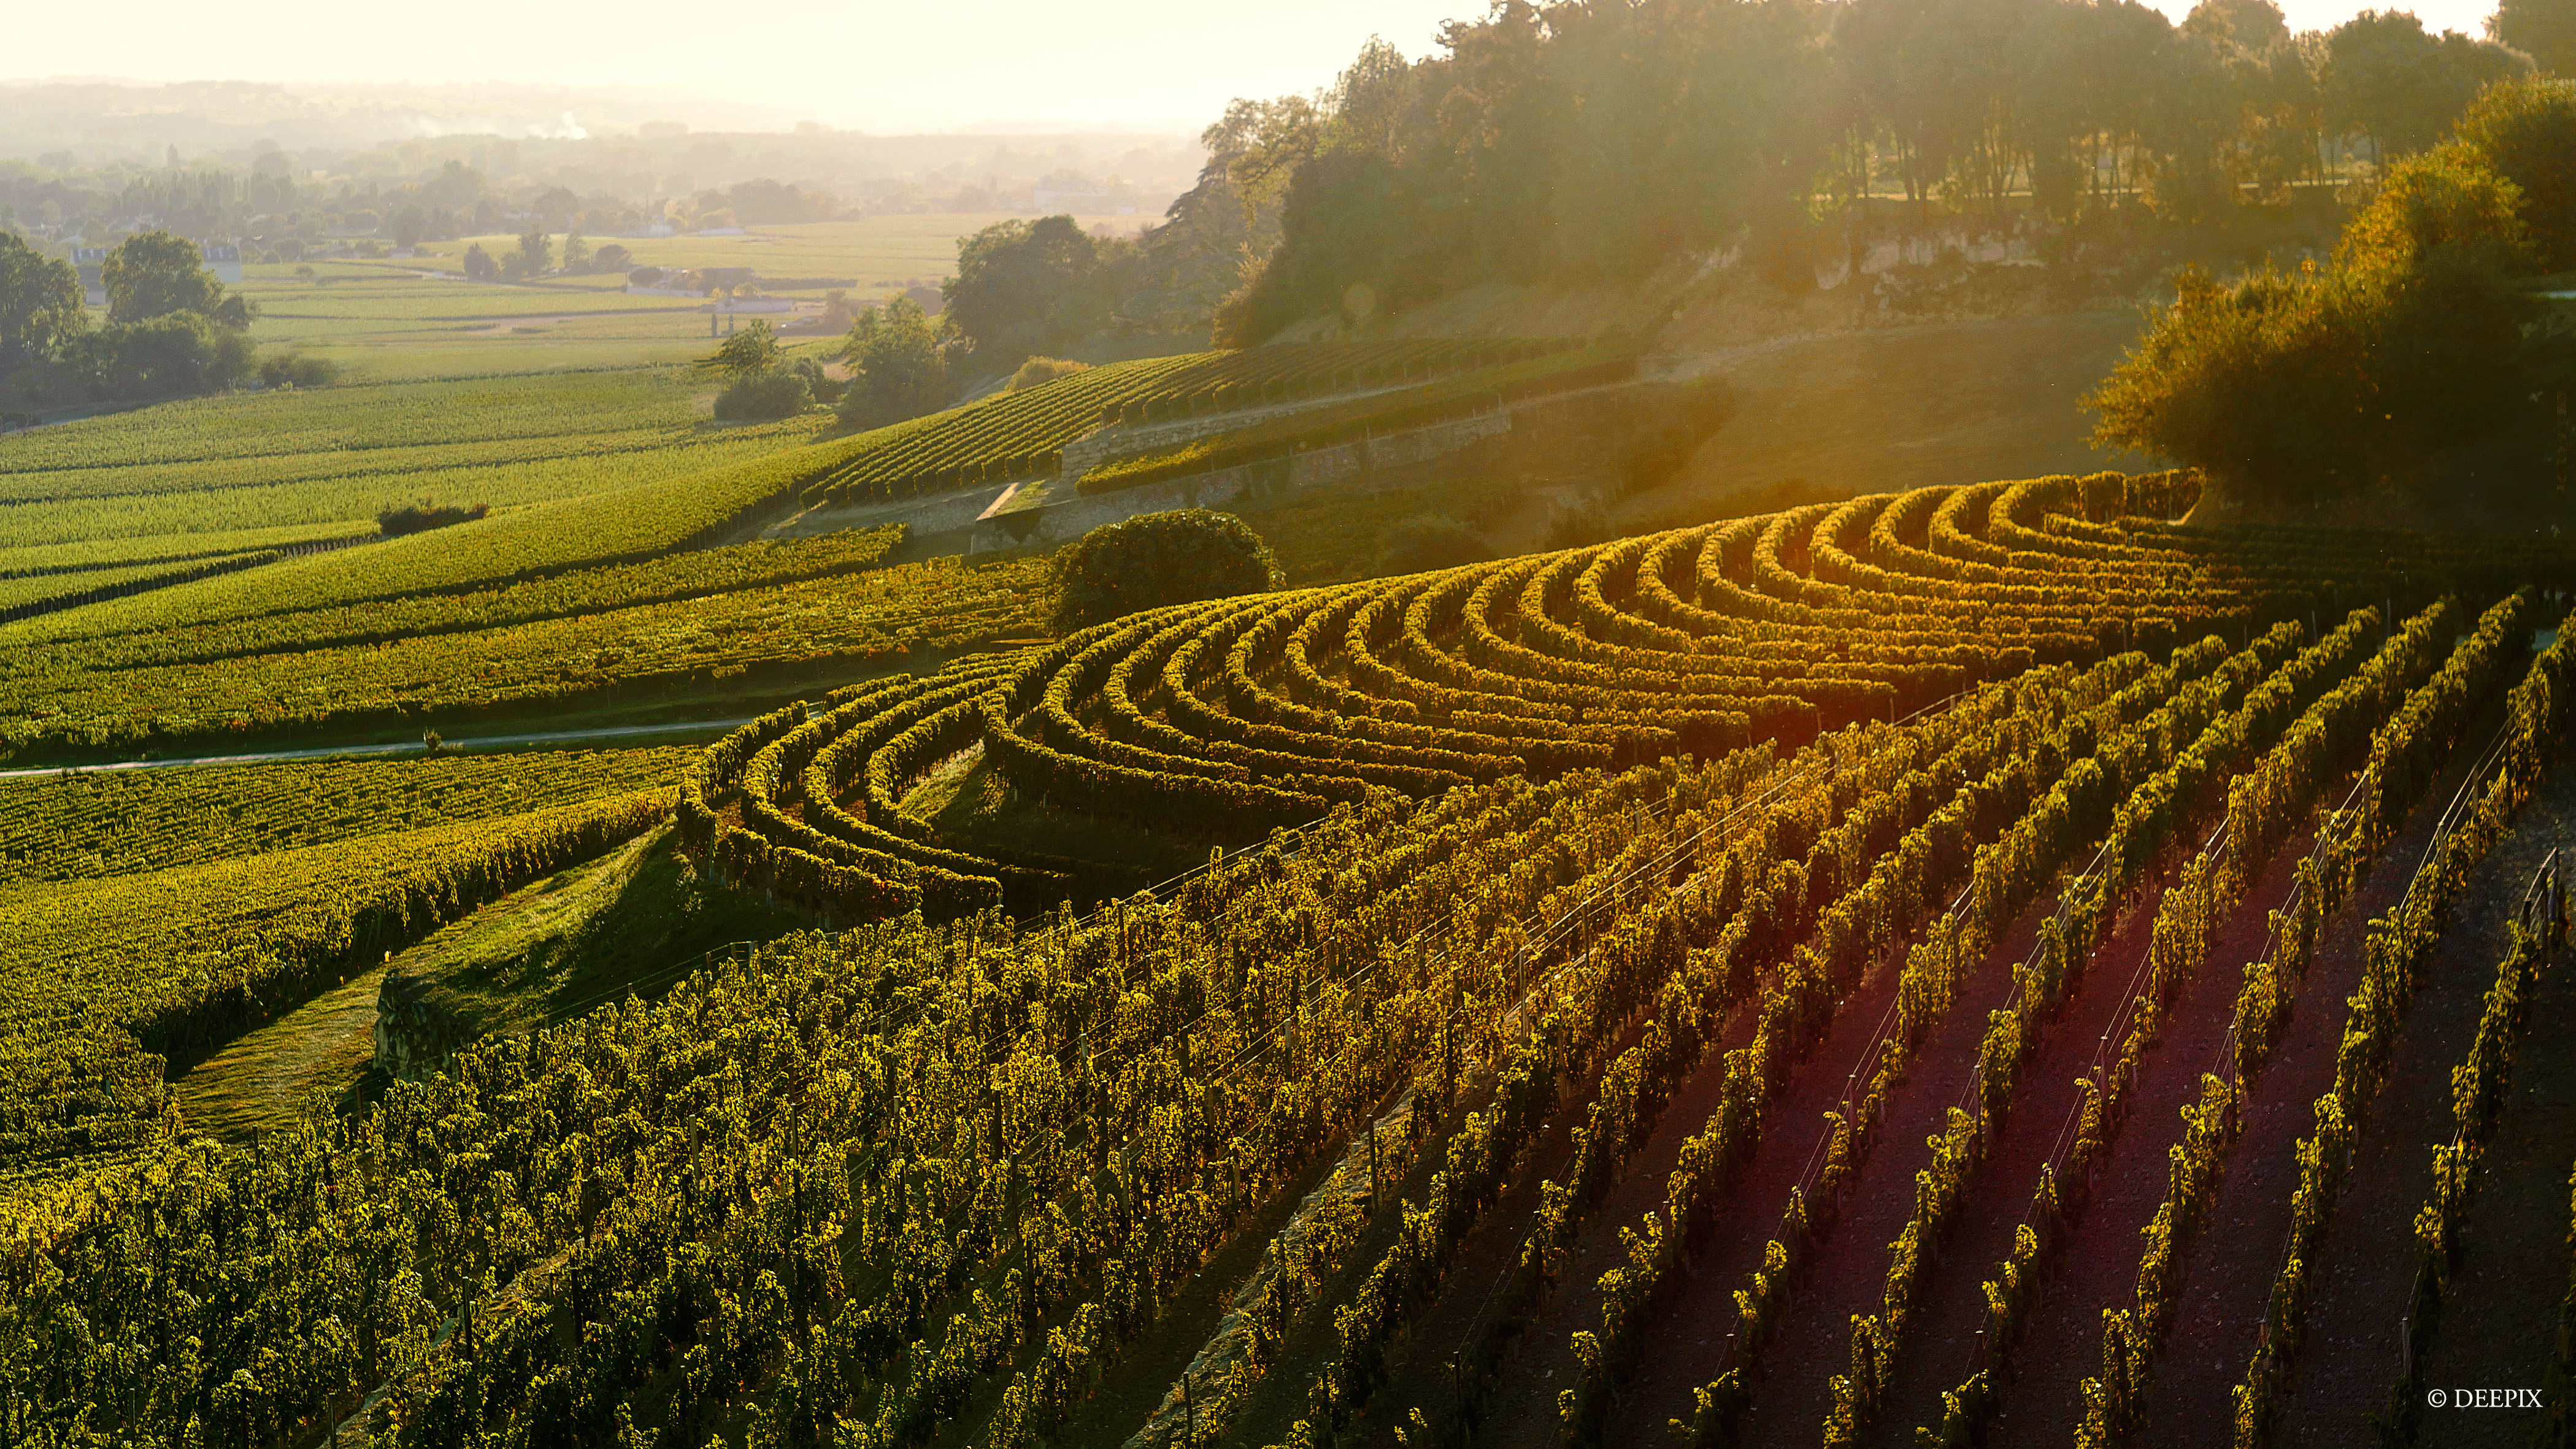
(1591, 141)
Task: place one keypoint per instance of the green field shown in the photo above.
(873, 253)
(321, 462)
(394, 319)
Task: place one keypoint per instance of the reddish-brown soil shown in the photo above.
(2061, 1342)
(2228, 1277)
(1814, 1342)
(1700, 1308)
(2366, 1265)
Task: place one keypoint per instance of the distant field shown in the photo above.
(876, 252)
(385, 320)
(318, 462)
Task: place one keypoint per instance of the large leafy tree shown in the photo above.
(2526, 130)
(153, 274)
(752, 350)
(2295, 389)
(40, 303)
(898, 367)
(2545, 30)
(1026, 288)
(2388, 80)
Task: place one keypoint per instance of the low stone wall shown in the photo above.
(1079, 514)
(1126, 440)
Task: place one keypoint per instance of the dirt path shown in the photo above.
(263, 1076)
(2366, 1266)
(2228, 1279)
(1949, 1306)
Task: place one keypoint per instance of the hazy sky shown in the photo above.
(1159, 65)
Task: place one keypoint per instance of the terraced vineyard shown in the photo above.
(1808, 977)
(1020, 435)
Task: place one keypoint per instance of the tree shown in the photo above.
(1024, 288)
(2545, 30)
(752, 350)
(478, 263)
(2293, 389)
(898, 368)
(153, 274)
(1154, 559)
(2389, 81)
(408, 225)
(2526, 129)
(40, 303)
(610, 258)
(576, 252)
(536, 249)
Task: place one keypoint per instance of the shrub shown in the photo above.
(1155, 559)
(1039, 371)
(1420, 545)
(294, 369)
(421, 517)
(818, 382)
(781, 393)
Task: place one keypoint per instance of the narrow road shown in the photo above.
(483, 742)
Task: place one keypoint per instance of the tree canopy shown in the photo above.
(898, 366)
(2293, 389)
(2545, 30)
(1026, 288)
(754, 349)
(153, 274)
(1567, 143)
(40, 303)
(2526, 130)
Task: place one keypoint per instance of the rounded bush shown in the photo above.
(778, 394)
(1155, 559)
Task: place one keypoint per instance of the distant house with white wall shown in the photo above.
(224, 260)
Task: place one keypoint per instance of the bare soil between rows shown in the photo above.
(2226, 1277)
(1850, 1273)
(2097, 1267)
(1700, 1307)
(2500, 1313)
(2366, 1266)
